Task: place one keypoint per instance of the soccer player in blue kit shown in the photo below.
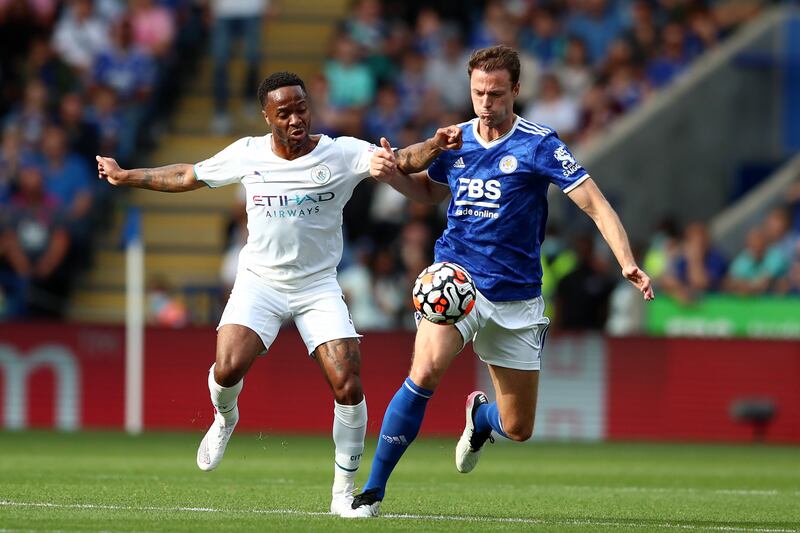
(496, 220)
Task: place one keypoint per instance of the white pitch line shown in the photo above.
(438, 518)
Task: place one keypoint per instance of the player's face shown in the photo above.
(288, 116)
(493, 97)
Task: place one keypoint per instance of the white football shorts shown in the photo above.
(506, 334)
(318, 310)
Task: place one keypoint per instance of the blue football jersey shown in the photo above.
(497, 215)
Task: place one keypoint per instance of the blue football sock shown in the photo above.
(400, 426)
(488, 417)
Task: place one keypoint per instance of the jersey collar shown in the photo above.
(490, 144)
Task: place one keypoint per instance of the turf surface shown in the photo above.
(113, 482)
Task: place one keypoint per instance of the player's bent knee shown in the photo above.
(348, 390)
(229, 369)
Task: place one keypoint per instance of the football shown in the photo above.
(444, 293)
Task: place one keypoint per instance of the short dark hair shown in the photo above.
(498, 57)
(276, 81)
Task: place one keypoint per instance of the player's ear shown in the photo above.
(515, 90)
(266, 117)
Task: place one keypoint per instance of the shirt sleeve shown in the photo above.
(357, 155)
(437, 171)
(553, 160)
(223, 168)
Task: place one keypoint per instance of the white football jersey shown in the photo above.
(294, 208)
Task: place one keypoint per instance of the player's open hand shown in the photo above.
(640, 280)
(448, 138)
(383, 165)
(108, 169)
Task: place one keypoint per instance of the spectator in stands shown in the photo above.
(575, 73)
(780, 239)
(70, 181)
(754, 271)
(36, 242)
(596, 22)
(366, 26)
(130, 71)
(429, 33)
(164, 308)
(554, 109)
(230, 19)
(350, 83)
(697, 269)
(11, 157)
(672, 59)
(443, 68)
(80, 35)
(19, 25)
(793, 205)
(642, 34)
(45, 65)
(31, 116)
(105, 114)
(385, 118)
(83, 137)
(598, 111)
(413, 89)
(153, 27)
(582, 295)
(494, 22)
(543, 37)
(790, 283)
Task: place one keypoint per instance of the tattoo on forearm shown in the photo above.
(171, 178)
(416, 157)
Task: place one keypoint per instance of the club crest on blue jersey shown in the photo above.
(321, 174)
(508, 164)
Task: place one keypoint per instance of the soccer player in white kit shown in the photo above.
(297, 185)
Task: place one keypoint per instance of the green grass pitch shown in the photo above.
(113, 482)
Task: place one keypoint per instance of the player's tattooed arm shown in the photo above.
(171, 178)
(418, 157)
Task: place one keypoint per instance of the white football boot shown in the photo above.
(342, 500)
(212, 447)
(468, 449)
(365, 505)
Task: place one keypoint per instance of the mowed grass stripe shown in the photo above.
(438, 518)
(272, 482)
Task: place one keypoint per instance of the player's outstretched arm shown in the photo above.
(384, 167)
(171, 178)
(590, 199)
(418, 157)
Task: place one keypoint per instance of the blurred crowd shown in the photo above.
(81, 77)
(398, 69)
(77, 78)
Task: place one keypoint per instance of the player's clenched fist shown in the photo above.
(383, 164)
(448, 138)
(109, 170)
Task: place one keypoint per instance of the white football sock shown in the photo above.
(224, 398)
(349, 428)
